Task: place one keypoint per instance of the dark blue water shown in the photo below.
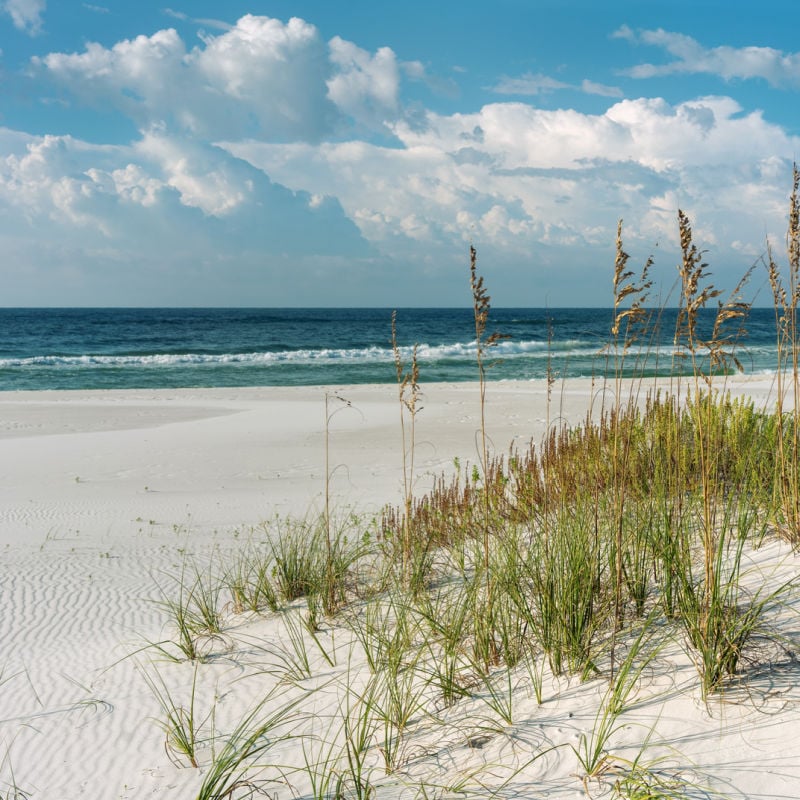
(142, 348)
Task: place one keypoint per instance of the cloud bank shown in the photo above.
(278, 167)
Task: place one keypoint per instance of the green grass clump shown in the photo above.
(316, 560)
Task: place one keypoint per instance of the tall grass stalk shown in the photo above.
(329, 599)
(629, 324)
(250, 582)
(592, 750)
(447, 616)
(785, 300)
(714, 624)
(359, 725)
(386, 630)
(294, 663)
(408, 396)
(314, 559)
(481, 304)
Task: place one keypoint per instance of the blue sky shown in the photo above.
(347, 153)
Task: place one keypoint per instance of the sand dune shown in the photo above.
(105, 497)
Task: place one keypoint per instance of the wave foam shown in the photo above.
(456, 352)
(425, 352)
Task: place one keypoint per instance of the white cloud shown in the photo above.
(591, 87)
(41, 177)
(218, 24)
(269, 70)
(164, 220)
(774, 66)
(530, 84)
(170, 12)
(417, 71)
(130, 183)
(365, 86)
(26, 14)
(64, 179)
(535, 186)
(143, 76)
(414, 70)
(529, 182)
(263, 77)
(202, 179)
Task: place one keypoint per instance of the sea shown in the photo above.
(134, 348)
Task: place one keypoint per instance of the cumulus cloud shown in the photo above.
(365, 86)
(139, 75)
(259, 143)
(201, 178)
(269, 69)
(263, 77)
(779, 69)
(26, 14)
(530, 84)
(152, 215)
(42, 178)
(529, 181)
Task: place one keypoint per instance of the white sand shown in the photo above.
(104, 496)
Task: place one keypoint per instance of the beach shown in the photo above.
(108, 498)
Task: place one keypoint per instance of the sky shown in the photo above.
(319, 153)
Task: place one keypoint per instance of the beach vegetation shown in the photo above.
(316, 559)
(194, 613)
(185, 734)
(785, 286)
(249, 581)
(295, 663)
(409, 394)
(328, 584)
(235, 770)
(484, 343)
(578, 558)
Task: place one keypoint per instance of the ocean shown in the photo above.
(121, 348)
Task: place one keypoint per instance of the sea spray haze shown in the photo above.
(150, 348)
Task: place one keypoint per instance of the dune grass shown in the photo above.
(560, 558)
